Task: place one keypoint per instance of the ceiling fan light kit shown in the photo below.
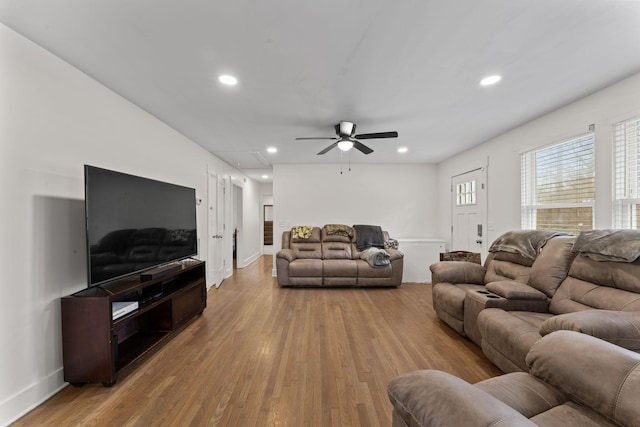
(345, 144)
(346, 139)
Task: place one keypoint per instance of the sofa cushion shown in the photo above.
(552, 265)
(306, 268)
(340, 268)
(307, 250)
(500, 269)
(510, 334)
(336, 250)
(523, 392)
(617, 327)
(571, 414)
(576, 295)
(593, 372)
(620, 275)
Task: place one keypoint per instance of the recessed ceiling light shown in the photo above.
(490, 80)
(265, 176)
(228, 80)
(272, 150)
(403, 150)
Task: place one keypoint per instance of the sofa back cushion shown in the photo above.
(552, 264)
(336, 250)
(507, 266)
(592, 372)
(594, 284)
(309, 248)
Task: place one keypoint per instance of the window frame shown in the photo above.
(529, 204)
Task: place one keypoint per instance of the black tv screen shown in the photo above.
(134, 224)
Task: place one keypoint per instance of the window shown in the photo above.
(466, 193)
(626, 157)
(558, 186)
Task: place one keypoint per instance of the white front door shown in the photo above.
(468, 208)
(216, 230)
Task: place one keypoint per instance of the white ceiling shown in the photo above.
(407, 65)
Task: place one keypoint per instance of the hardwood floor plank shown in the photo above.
(268, 356)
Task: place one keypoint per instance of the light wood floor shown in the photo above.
(264, 355)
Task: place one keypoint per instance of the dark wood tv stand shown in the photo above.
(97, 348)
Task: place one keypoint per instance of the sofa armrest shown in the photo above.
(621, 328)
(435, 398)
(286, 254)
(512, 290)
(593, 372)
(394, 254)
(457, 272)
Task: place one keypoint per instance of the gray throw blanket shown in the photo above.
(368, 236)
(527, 243)
(609, 245)
(376, 257)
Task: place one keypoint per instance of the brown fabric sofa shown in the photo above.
(598, 297)
(573, 380)
(325, 259)
(522, 272)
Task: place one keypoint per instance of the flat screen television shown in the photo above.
(135, 224)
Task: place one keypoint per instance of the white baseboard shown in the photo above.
(21, 403)
(250, 259)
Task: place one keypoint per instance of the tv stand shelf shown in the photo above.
(97, 348)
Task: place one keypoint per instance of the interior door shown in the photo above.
(215, 264)
(221, 230)
(468, 208)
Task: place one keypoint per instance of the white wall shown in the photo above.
(55, 119)
(399, 198)
(252, 224)
(603, 108)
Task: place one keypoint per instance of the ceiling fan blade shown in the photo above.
(328, 148)
(360, 146)
(377, 135)
(317, 137)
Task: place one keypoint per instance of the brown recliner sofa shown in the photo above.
(573, 380)
(600, 296)
(325, 259)
(522, 272)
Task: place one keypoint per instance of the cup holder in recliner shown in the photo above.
(488, 294)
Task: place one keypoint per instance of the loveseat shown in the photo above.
(522, 272)
(573, 380)
(590, 285)
(326, 257)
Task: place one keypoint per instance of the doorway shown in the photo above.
(468, 211)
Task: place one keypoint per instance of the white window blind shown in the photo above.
(558, 186)
(626, 203)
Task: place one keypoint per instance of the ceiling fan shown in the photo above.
(347, 139)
